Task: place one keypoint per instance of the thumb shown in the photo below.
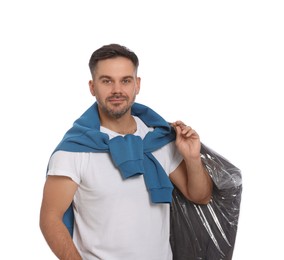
(178, 132)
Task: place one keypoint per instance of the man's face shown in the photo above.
(115, 86)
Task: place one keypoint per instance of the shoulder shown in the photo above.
(65, 156)
(69, 164)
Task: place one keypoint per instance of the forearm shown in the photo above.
(199, 183)
(58, 238)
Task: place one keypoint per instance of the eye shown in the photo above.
(106, 81)
(126, 81)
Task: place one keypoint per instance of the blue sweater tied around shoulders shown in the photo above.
(130, 154)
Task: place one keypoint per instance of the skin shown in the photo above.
(115, 85)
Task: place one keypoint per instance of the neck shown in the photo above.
(124, 125)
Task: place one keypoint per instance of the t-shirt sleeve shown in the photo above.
(169, 157)
(67, 164)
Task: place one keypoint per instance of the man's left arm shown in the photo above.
(191, 177)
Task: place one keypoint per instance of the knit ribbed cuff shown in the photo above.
(161, 195)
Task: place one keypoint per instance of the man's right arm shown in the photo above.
(57, 196)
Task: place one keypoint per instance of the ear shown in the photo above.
(92, 87)
(138, 80)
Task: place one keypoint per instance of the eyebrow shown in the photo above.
(109, 77)
(104, 76)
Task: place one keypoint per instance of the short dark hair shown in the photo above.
(111, 51)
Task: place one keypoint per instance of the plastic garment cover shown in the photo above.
(208, 232)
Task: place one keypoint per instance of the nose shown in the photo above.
(116, 87)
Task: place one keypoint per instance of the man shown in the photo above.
(114, 166)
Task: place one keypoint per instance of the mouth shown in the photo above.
(116, 100)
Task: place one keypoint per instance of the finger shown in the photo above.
(178, 123)
(185, 128)
(179, 134)
(191, 133)
(187, 132)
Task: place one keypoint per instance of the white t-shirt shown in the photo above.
(114, 218)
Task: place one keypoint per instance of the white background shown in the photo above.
(217, 65)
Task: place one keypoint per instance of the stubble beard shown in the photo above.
(116, 113)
